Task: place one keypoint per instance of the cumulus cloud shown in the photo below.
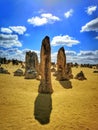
(10, 53)
(83, 57)
(64, 40)
(15, 53)
(18, 29)
(45, 18)
(70, 53)
(37, 21)
(68, 13)
(91, 9)
(6, 30)
(88, 57)
(90, 26)
(87, 53)
(9, 40)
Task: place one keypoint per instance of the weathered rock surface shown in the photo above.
(18, 72)
(69, 71)
(32, 67)
(97, 66)
(45, 65)
(61, 65)
(80, 76)
(64, 71)
(3, 71)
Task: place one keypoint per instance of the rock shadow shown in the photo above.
(66, 84)
(43, 108)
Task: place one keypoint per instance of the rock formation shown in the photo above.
(80, 76)
(69, 71)
(3, 71)
(61, 65)
(31, 69)
(45, 66)
(64, 71)
(18, 72)
(95, 71)
(97, 66)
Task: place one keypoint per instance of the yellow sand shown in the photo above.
(72, 109)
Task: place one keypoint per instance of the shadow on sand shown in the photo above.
(42, 108)
(66, 84)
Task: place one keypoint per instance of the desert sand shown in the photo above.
(75, 108)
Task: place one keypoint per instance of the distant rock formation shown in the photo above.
(45, 65)
(80, 76)
(95, 71)
(53, 69)
(69, 71)
(61, 65)
(32, 67)
(64, 71)
(97, 66)
(3, 71)
(18, 72)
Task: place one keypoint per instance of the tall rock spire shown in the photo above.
(45, 67)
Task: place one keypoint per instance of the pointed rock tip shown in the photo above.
(62, 49)
(46, 37)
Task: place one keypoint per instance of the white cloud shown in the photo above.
(6, 30)
(50, 18)
(54, 57)
(18, 29)
(91, 9)
(88, 57)
(70, 53)
(83, 57)
(90, 26)
(9, 40)
(64, 40)
(86, 53)
(15, 53)
(37, 21)
(96, 37)
(68, 13)
(45, 18)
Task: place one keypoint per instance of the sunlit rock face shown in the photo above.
(45, 67)
(61, 65)
(64, 71)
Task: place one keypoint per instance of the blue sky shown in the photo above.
(69, 23)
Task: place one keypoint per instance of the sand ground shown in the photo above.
(72, 109)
